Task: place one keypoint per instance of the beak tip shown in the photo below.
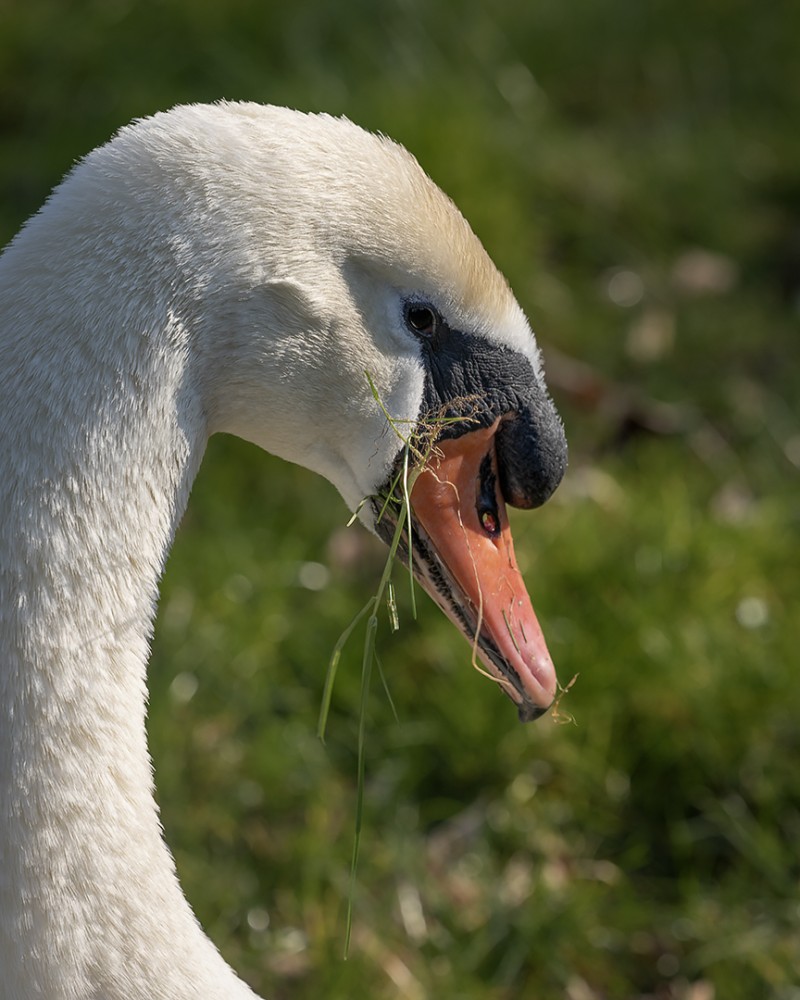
(528, 712)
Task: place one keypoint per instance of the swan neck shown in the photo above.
(101, 432)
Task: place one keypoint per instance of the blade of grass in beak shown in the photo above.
(372, 604)
(386, 690)
(366, 671)
(333, 666)
(391, 605)
(407, 500)
(392, 421)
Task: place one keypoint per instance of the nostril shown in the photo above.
(489, 523)
(486, 503)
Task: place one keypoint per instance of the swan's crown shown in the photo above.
(361, 195)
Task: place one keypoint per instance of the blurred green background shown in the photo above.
(634, 170)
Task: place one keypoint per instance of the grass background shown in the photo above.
(633, 168)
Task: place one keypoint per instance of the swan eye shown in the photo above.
(422, 320)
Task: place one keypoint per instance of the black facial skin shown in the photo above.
(467, 376)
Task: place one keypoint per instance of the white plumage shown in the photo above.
(215, 268)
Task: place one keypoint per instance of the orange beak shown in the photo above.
(467, 565)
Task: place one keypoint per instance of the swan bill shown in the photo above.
(462, 553)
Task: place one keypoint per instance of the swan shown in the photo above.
(237, 268)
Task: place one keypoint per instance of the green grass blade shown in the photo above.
(333, 666)
(366, 672)
(407, 500)
(385, 684)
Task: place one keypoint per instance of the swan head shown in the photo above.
(338, 303)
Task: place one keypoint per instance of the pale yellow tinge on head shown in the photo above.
(370, 195)
(403, 216)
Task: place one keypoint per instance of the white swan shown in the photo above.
(221, 268)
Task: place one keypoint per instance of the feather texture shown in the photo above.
(214, 268)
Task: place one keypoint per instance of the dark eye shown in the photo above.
(422, 319)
